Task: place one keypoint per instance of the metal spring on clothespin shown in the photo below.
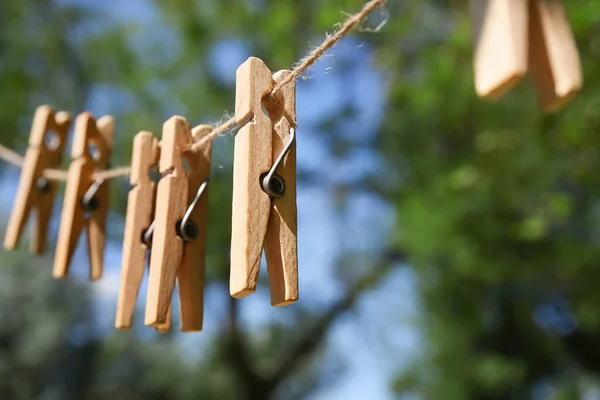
(186, 228)
(273, 184)
(90, 201)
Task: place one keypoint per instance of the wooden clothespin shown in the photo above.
(138, 228)
(86, 199)
(514, 36)
(553, 57)
(179, 238)
(500, 41)
(264, 185)
(36, 193)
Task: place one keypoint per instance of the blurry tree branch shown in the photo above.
(238, 354)
(310, 339)
(314, 335)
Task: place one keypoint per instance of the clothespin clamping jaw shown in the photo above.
(137, 239)
(264, 185)
(515, 36)
(36, 193)
(179, 237)
(86, 198)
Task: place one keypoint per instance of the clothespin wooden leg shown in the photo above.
(76, 204)
(72, 220)
(97, 220)
(252, 157)
(500, 45)
(140, 211)
(163, 326)
(171, 198)
(553, 57)
(174, 249)
(190, 278)
(36, 194)
(281, 244)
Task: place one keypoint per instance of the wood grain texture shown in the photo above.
(168, 255)
(500, 45)
(165, 326)
(281, 244)
(553, 60)
(73, 219)
(140, 212)
(41, 154)
(190, 278)
(252, 157)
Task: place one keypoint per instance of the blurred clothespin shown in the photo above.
(500, 40)
(514, 36)
(86, 199)
(179, 238)
(36, 193)
(264, 185)
(553, 57)
(137, 237)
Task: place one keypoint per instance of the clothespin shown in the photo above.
(179, 238)
(264, 185)
(553, 57)
(137, 237)
(514, 36)
(86, 199)
(500, 54)
(36, 193)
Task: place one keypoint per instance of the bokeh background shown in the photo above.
(449, 247)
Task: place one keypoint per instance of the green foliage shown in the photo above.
(496, 204)
(498, 215)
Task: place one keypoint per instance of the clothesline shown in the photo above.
(351, 22)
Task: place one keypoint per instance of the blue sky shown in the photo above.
(383, 322)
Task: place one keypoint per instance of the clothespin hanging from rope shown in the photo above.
(137, 239)
(86, 199)
(264, 185)
(36, 193)
(512, 37)
(179, 237)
